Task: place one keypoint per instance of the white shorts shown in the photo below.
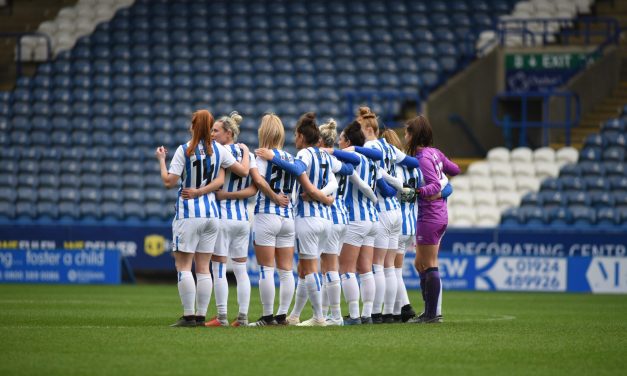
(388, 229)
(194, 235)
(233, 238)
(406, 243)
(310, 235)
(271, 230)
(332, 244)
(360, 233)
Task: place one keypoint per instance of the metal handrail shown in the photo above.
(18, 37)
(354, 98)
(506, 123)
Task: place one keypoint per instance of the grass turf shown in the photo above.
(123, 330)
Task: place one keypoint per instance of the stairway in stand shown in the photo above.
(612, 105)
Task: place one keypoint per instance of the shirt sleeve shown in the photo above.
(177, 164)
(335, 164)
(305, 157)
(262, 166)
(253, 162)
(227, 158)
(448, 167)
(399, 154)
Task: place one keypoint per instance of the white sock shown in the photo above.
(325, 297)
(266, 289)
(367, 293)
(439, 309)
(334, 291)
(351, 293)
(243, 286)
(312, 281)
(286, 291)
(220, 286)
(187, 292)
(401, 292)
(301, 298)
(379, 282)
(391, 285)
(204, 285)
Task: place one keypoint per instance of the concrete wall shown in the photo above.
(592, 85)
(468, 94)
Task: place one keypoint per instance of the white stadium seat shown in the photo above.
(503, 184)
(544, 154)
(460, 183)
(481, 183)
(507, 199)
(463, 217)
(567, 154)
(500, 169)
(527, 184)
(546, 170)
(521, 154)
(480, 168)
(482, 199)
(488, 216)
(461, 199)
(499, 154)
(524, 169)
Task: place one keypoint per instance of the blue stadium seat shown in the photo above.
(613, 168)
(134, 210)
(552, 184)
(533, 215)
(25, 210)
(68, 210)
(7, 193)
(576, 198)
(47, 210)
(590, 154)
(583, 216)
(620, 199)
(551, 199)
(572, 170)
(559, 217)
(69, 180)
(600, 199)
(614, 153)
(607, 217)
(50, 194)
(7, 210)
(595, 140)
(91, 180)
(90, 195)
(69, 194)
(9, 181)
(618, 183)
(595, 183)
(572, 184)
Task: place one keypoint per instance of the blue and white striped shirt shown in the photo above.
(196, 171)
(358, 206)
(391, 156)
(412, 178)
(339, 213)
(236, 209)
(318, 167)
(280, 181)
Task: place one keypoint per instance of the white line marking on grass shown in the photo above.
(492, 318)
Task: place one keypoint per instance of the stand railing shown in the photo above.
(571, 100)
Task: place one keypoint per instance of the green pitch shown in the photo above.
(98, 330)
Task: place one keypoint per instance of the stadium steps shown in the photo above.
(26, 16)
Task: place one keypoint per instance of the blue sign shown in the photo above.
(60, 266)
(557, 274)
